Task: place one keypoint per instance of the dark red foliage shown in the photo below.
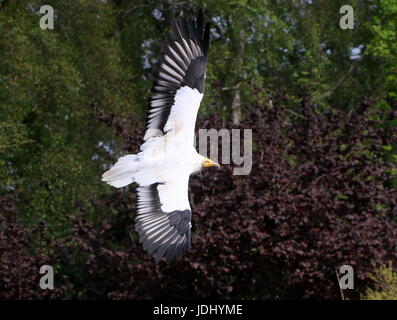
(318, 197)
(19, 267)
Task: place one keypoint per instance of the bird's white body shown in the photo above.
(169, 158)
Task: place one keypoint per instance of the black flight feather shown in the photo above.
(183, 62)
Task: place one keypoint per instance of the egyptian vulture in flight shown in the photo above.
(167, 157)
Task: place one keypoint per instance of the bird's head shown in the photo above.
(201, 163)
(206, 163)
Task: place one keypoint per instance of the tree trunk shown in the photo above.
(239, 47)
(236, 107)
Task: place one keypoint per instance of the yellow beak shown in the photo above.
(209, 163)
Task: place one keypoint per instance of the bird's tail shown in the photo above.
(121, 174)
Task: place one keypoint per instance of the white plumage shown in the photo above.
(167, 158)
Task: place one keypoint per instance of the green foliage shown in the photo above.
(48, 79)
(385, 280)
(277, 45)
(384, 42)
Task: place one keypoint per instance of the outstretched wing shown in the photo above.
(179, 80)
(164, 218)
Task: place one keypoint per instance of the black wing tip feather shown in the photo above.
(202, 35)
(163, 234)
(206, 38)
